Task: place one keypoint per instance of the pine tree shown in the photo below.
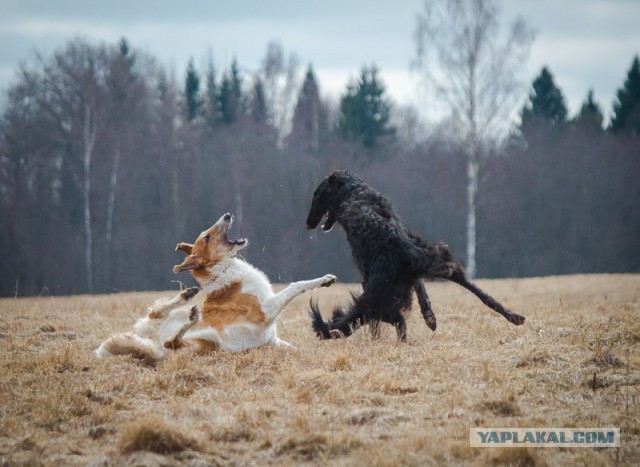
(626, 109)
(258, 102)
(230, 95)
(546, 102)
(309, 117)
(192, 91)
(364, 110)
(590, 114)
(211, 90)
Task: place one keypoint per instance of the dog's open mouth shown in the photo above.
(329, 220)
(224, 235)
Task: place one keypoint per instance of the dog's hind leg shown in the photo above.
(401, 328)
(453, 271)
(459, 277)
(176, 342)
(441, 264)
(374, 326)
(275, 305)
(425, 305)
(162, 307)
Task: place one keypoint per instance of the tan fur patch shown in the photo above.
(202, 275)
(204, 346)
(230, 306)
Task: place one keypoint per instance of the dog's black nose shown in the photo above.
(227, 217)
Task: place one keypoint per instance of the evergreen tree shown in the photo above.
(192, 91)
(211, 90)
(309, 117)
(230, 95)
(236, 85)
(364, 110)
(258, 102)
(626, 109)
(590, 114)
(546, 102)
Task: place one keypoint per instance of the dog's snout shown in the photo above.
(227, 217)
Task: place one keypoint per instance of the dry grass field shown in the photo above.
(355, 401)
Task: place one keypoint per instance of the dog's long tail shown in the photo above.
(341, 324)
(130, 344)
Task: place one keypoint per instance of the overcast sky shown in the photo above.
(585, 43)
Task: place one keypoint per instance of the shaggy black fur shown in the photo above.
(391, 259)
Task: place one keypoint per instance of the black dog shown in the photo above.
(391, 259)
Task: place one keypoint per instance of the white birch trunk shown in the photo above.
(89, 139)
(113, 184)
(472, 195)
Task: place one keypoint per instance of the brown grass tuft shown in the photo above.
(518, 457)
(152, 433)
(503, 408)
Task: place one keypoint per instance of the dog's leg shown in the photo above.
(275, 305)
(441, 264)
(458, 276)
(425, 305)
(401, 328)
(374, 325)
(176, 342)
(161, 308)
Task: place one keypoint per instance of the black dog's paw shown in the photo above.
(431, 322)
(516, 319)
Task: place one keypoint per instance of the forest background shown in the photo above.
(108, 159)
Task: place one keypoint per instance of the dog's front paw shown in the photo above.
(189, 293)
(193, 313)
(329, 280)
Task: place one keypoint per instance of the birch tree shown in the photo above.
(474, 72)
(75, 81)
(280, 83)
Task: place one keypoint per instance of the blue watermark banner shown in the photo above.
(544, 437)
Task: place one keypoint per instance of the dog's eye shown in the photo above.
(207, 238)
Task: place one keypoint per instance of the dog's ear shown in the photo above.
(184, 247)
(334, 182)
(190, 262)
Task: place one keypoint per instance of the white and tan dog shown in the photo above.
(240, 308)
(239, 311)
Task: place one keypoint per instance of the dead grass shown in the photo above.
(356, 401)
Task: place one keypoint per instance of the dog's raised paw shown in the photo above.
(329, 280)
(189, 293)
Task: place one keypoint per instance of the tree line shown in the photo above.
(107, 161)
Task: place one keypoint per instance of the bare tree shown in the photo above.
(474, 72)
(280, 82)
(76, 80)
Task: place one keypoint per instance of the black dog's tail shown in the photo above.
(339, 326)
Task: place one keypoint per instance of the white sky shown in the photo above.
(585, 43)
